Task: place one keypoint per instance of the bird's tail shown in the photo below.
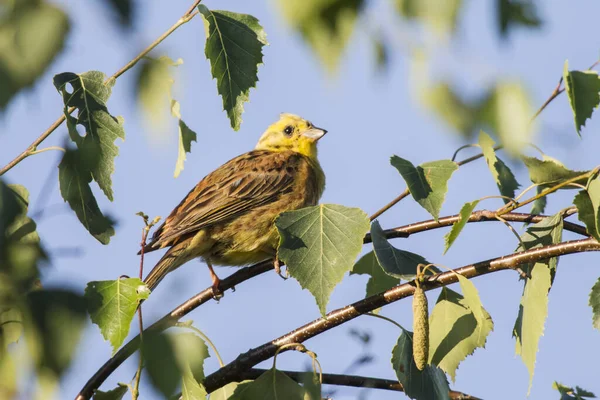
(173, 258)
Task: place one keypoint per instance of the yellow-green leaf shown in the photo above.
(457, 227)
(234, 45)
(271, 385)
(320, 244)
(550, 172)
(114, 394)
(502, 174)
(595, 304)
(112, 305)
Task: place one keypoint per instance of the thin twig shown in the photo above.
(31, 149)
(245, 274)
(135, 392)
(351, 381)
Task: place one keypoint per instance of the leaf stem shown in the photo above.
(372, 314)
(31, 149)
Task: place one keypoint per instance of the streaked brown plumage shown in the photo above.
(228, 218)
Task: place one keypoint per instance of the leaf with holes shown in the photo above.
(428, 182)
(88, 93)
(503, 176)
(455, 332)
(398, 263)
(431, 383)
(112, 305)
(234, 45)
(458, 226)
(583, 89)
(320, 244)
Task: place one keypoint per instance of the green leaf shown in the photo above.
(190, 353)
(516, 12)
(271, 385)
(114, 394)
(473, 302)
(533, 311)
(595, 304)
(320, 244)
(379, 280)
(455, 332)
(88, 93)
(153, 87)
(539, 204)
(32, 34)
(74, 178)
(551, 172)
(587, 214)
(234, 45)
(431, 383)
(312, 386)
(428, 183)
(54, 326)
(544, 233)
(460, 114)
(398, 263)
(326, 25)
(112, 305)
(191, 389)
(161, 364)
(508, 112)
(439, 17)
(458, 226)
(186, 137)
(568, 393)
(583, 89)
(226, 392)
(502, 174)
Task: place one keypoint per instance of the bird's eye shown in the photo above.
(288, 130)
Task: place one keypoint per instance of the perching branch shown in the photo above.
(232, 371)
(32, 148)
(244, 274)
(352, 381)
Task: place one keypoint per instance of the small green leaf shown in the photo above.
(516, 12)
(539, 204)
(502, 174)
(186, 137)
(226, 392)
(544, 233)
(595, 304)
(112, 305)
(454, 331)
(190, 353)
(191, 389)
(586, 213)
(533, 311)
(320, 244)
(398, 263)
(271, 385)
(583, 89)
(458, 226)
(114, 394)
(153, 87)
(431, 383)
(88, 93)
(53, 329)
(550, 172)
(568, 393)
(428, 183)
(74, 178)
(234, 45)
(312, 386)
(32, 34)
(379, 280)
(326, 25)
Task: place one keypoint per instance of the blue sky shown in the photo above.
(369, 118)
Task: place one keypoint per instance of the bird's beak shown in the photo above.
(315, 133)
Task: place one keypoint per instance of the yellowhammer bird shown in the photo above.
(228, 218)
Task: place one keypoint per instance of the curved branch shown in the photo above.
(245, 361)
(244, 274)
(352, 381)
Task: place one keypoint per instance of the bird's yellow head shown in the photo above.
(294, 133)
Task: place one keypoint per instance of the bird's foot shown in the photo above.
(216, 290)
(277, 266)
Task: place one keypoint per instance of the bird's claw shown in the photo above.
(277, 266)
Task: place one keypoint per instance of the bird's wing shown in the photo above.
(242, 184)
